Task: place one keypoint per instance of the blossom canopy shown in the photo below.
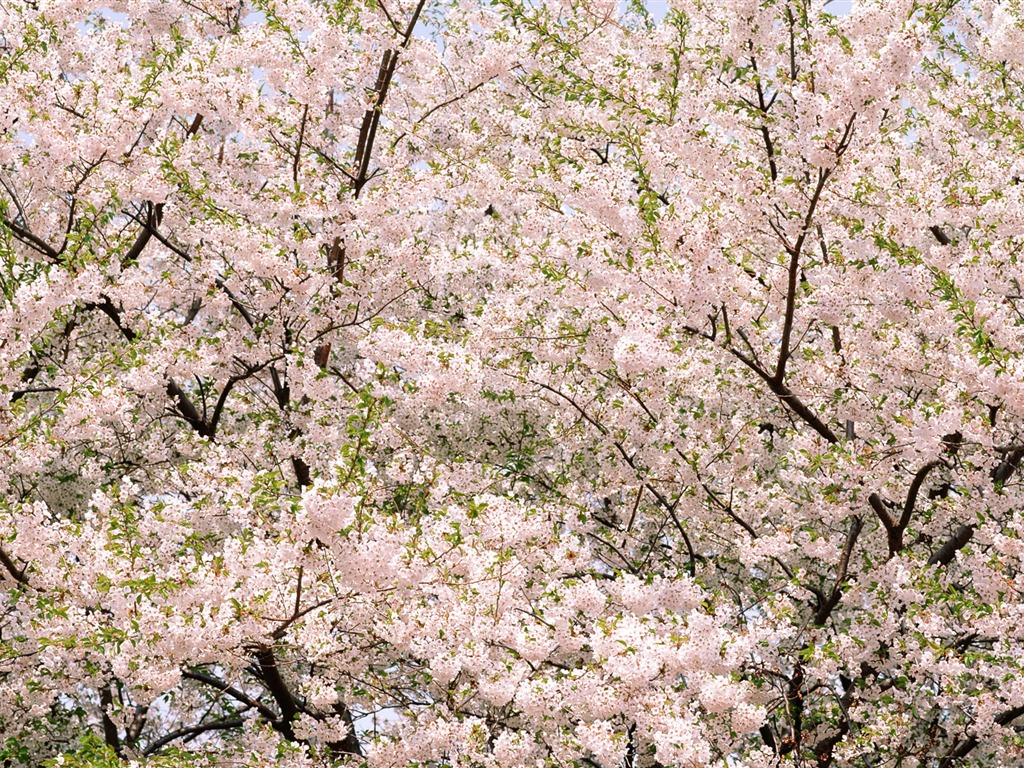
(463, 384)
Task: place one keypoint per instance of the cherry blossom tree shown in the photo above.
(459, 384)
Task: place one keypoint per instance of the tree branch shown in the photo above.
(8, 563)
(230, 690)
(350, 744)
(668, 506)
(110, 735)
(883, 514)
(134, 730)
(186, 409)
(298, 147)
(271, 676)
(793, 274)
(1008, 465)
(966, 747)
(235, 302)
(1004, 470)
(154, 212)
(194, 730)
(107, 308)
(371, 118)
(896, 530)
(944, 555)
(941, 236)
(826, 608)
(35, 243)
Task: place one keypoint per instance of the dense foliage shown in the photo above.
(491, 384)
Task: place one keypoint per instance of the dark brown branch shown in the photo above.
(960, 750)
(298, 147)
(795, 707)
(795, 252)
(322, 356)
(795, 404)
(883, 514)
(193, 129)
(194, 730)
(281, 390)
(780, 233)
(668, 506)
(134, 730)
(823, 750)
(764, 106)
(149, 225)
(826, 608)
(193, 311)
(297, 612)
(110, 735)
(35, 243)
(371, 119)
(772, 168)
(636, 506)
(218, 409)
(336, 260)
(750, 347)
(944, 555)
(270, 674)
(391, 21)
(281, 631)
(154, 212)
(230, 690)
(303, 473)
(780, 390)
(897, 530)
(454, 99)
(107, 308)
(727, 508)
(846, 138)
(33, 369)
(18, 574)
(412, 23)
(1009, 448)
(236, 303)
(1008, 465)
(941, 236)
(350, 744)
(793, 71)
(187, 409)
(17, 394)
